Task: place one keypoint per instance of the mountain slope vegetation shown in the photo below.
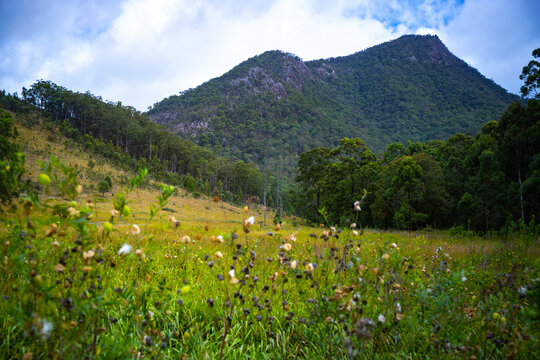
(274, 106)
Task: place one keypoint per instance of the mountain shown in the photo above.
(274, 106)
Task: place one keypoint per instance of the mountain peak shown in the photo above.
(274, 105)
(423, 48)
(269, 72)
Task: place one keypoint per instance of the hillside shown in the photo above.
(41, 141)
(274, 106)
(130, 140)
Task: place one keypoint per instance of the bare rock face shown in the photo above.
(286, 69)
(295, 71)
(326, 71)
(257, 81)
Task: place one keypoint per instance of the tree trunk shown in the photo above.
(521, 195)
(264, 198)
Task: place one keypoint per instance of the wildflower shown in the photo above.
(135, 230)
(278, 226)
(292, 237)
(287, 247)
(231, 274)
(355, 233)
(88, 254)
(393, 245)
(357, 206)
(52, 230)
(381, 318)
(294, 264)
(73, 212)
(246, 209)
(218, 254)
(59, 268)
(46, 329)
(185, 289)
(140, 253)
(522, 291)
(398, 307)
(249, 221)
(87, 269)
(125, 249)
(309, 267)
(463, 278)
(386, 257)
(332, 229)
(219, 238)
(353, 225)
(174, 221)
(79, 189)
(361, 268)
(55, 244)
(115, 213)
(185, 239)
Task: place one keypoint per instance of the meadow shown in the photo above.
(127, 276)
(146, 270)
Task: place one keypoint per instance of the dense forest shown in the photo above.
(274, 106)
(490, 181)
(129, 139)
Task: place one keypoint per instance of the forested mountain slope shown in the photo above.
(274, 106)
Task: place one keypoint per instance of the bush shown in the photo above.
(104, 186)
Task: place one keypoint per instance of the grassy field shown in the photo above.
(151, 272)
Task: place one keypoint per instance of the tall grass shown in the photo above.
(217, 286)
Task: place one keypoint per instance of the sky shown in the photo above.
(141, 51)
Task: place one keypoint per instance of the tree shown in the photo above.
(8, 132)
(517, 135)
(531, 75)
(312, 167)
(407, 181)
(104, 186)
(11, 161)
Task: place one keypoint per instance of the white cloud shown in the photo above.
(145, 50)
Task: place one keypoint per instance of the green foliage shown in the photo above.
(277, 217)
(11, 161)
(103, 186)
(480, 183)
(272, 107)
(531, 77)
(129, 139)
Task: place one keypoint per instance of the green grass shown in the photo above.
(377, 295)
(455, 301)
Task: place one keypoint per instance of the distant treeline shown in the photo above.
(128, 138)
(482, 183)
